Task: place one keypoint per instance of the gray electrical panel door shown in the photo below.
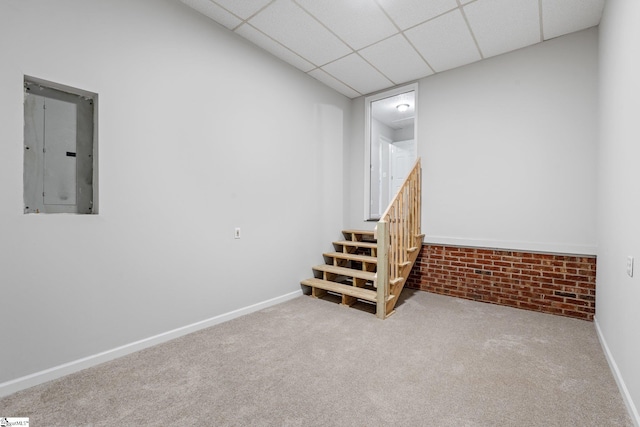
(58, 151)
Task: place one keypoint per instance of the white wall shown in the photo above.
(354, 170)
(404, 134)
(199, 132)
(617, 296)
(508, 150)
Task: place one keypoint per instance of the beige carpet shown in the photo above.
(438, 361)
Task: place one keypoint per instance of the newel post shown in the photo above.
(382, 269)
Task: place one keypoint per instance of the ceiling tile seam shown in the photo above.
(541, 21)
(337, 59)
(361, 57)
(240, 18)
(261, 9)
(403, 35)
(357, 52)
(317, 67)
(246, 21)
(418, 52)
(431, 19)
(322, 23)
(376, 68)
(377, 2)
(379, 41)
(473, 36)
(335, 78)
(402, 32)
(276, 41)
(321, 67)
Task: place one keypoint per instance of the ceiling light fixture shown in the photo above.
(402, 107)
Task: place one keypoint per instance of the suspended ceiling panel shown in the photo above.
(409, 13)
(244, 9)
(290, 25)
(518, 24)
(445, 42)
(372, 24)
(358, 74)
(567, 16)
(396, 59)
(334, 83)
(270, 45)
(361, 46)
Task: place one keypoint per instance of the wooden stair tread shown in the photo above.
(352, 257)
(343, 271)
(352, 291)
(360, 244)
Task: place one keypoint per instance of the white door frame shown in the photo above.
(367, 138)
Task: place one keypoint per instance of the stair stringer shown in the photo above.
(397, 284)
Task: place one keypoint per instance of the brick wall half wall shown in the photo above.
(558, 284)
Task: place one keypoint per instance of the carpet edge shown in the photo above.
(12, 386)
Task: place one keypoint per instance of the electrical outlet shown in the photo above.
(236, 234)
(630, 266)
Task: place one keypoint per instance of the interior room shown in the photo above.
(227, 155)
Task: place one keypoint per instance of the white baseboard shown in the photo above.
(34, 379)
(631, 407)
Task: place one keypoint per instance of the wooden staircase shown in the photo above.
(373, 266)
(350, 272)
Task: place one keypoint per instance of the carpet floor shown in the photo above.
(438, 361)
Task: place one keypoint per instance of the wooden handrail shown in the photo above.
(399, 237)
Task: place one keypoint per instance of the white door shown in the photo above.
(385, 173)
(403, 156)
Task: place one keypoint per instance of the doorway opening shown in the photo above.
(391, 146)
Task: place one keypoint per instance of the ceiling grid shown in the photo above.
(473, 36)
(358, 47)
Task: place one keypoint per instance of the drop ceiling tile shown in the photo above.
(565, 16)
(287, 23)
(330, 81)
(357, 73)
(358, 23)
(214, 12)
(244, 8)
(273, 47)
(445, 42)
(396, 59)
(504, 25)
(407, 13)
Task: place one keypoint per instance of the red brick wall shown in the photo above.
(556, 284)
